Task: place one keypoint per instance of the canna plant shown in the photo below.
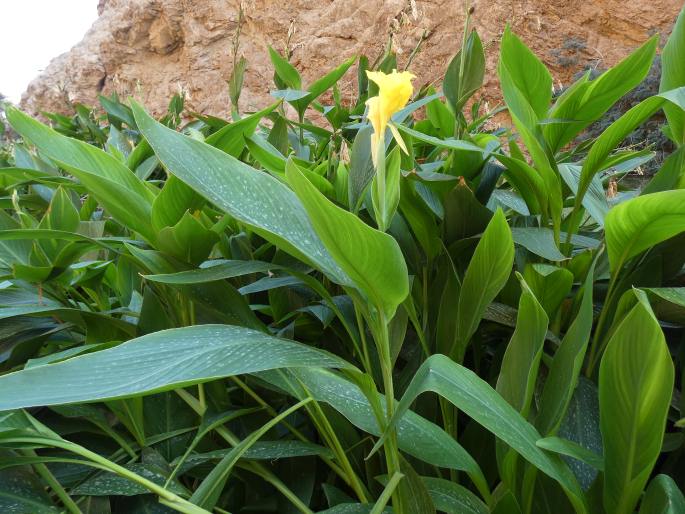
(203, 315)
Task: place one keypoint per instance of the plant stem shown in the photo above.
(387, 493)
(54, 484)
(172, 500)
(392, 454)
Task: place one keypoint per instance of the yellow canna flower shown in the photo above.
(394, 91)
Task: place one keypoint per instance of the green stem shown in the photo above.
(597, 345)
(389, 491)
(174, 501)
(50, 479)
(365, 349)
(392, 453)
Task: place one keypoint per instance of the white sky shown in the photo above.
(32, 32)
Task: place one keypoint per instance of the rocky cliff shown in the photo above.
(151, 48)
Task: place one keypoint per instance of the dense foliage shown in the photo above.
(204, 315)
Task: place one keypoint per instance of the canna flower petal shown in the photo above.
(378, 127)
(394, 91)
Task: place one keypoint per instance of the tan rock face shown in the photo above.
(151, 48)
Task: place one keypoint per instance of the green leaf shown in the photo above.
(392, 191)
(256, 199)
(475, 398)
(106, 484)
(458, 87)
(285, 71)
(453, 498)
(635, 384)
(519, 371)
(595, 200)
(550, 285)
(640, 223)
(662, 497)
(617, 132)
(213, 271)
(524, 77)
(172, 202)
(371, 258)
(586, 102)
(538, 240)
(670, 174)
(450, 143)
(486, 275)
(157, 362)
(572, 449)
(114, 186)
(231, 137)
(361, 167)
(566, 365)
(22, 492)
(673, 75)
(319, 86)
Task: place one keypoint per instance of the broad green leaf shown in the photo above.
(550, 285)
(371, 258)
(640, 223)
(457, 86)
(670, 175)
(22, 492)
(486, 275)
(475, 398)
(617, 132)
(527, 182)
(595, 200)
(188, 240)
(231, 137)
(77, 154)
(117, 110)
(453, 498)
(572, 449)
(581, 425)
(385, 208)
(256, 199)
(527, 74)
(635, 385)
(285, 71)
(673, 75)
(262, 450)
(212, 271)
(172, 202)
(519, 370)
(565, 367)
(588, 101)
(538, 240)
(361, 167)
(266, 154)
(319, 86)
(157, 362)
(106, 484)
(450, 143)
(114, 186)
(662, 497)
